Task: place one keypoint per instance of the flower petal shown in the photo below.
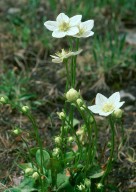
(54, 57)
(114, 98)
(105, 113)
(85, 35)
(58, 34)
(88, 25)
(72, 31)
(100, 99)
(77, 52)
(51, 25)
(62, 17)
(57, 60)
(94, 108)
(119, 104)
(75, 20)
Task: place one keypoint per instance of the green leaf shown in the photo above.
(46, 157)
(27, 185)
(96, 172)
(63, 183)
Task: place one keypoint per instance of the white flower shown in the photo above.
(60, 56)
(105, 106)
(85, 29)
(64, 25)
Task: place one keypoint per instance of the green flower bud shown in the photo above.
(87, 182)
(35, 175)
(109, 144)
(72, 95)
(118, 113)
(58, 140)
(56, 152)
(70, 139)
(3, 100)
(79, 102)
(61, 115)
(25, 109)
(81, 187)
(99, 186)
(28, 171)
(16, 131)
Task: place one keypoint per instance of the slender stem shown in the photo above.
(74, 63)
(29, 152)
(67, 73)
(40, 145)
(77, 139)
(109, 165)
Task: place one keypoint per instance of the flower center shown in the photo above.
(107, 107)
(81, 31)
(64, 26)
(61, 54)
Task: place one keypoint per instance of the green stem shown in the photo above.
(39, 144)
(109, 165)
(29, 152)
(74, 63)
(68, 77)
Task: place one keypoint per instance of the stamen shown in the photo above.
(64, 26)
(108, 107)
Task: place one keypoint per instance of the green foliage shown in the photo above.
(45, 155)
(63, 183)
(26, 186)
(15, 87)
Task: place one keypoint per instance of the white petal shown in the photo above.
(73, 53)
(62, 17)
(57, 60)
(75, 20)
(115, 97)
(51, 25)
(72, 31)
(88, 25)
(77, 52)
(119, 104)
(58, 34)
(105, 113)
(100, 99)
(94, 108)
(54, 57)
(85, 35)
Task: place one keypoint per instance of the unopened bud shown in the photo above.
(17, 131)
(25, 109)
(35, 175)
(72, 95)
(61, 115)
(70, 139)
(109, 144)
(87, 182)
(56, 152)
(91, 119)
(28, 170)
(118, 113)
(82, 108)
(81, 187)
(99, 186)
(3, 100)
(58, 140)
(79, 102)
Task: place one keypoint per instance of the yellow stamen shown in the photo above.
(107, 107)
(64, 26)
